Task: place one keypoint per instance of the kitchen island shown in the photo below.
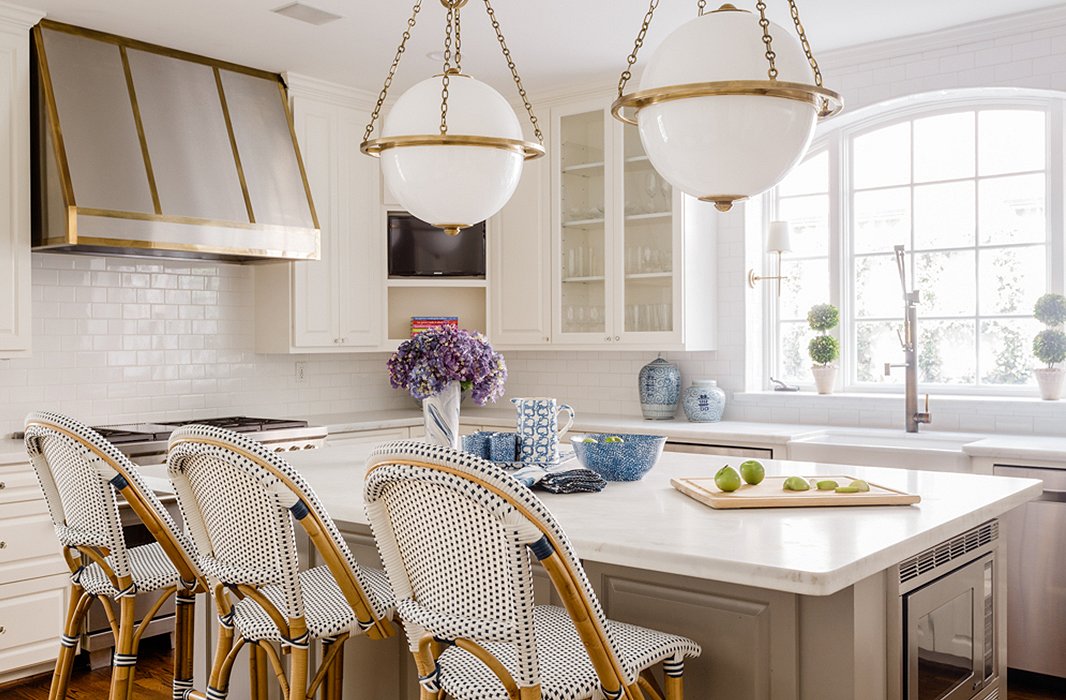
(786, 603)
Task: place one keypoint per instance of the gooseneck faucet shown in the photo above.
(909, 341)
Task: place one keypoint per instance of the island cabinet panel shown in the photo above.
(748, 635)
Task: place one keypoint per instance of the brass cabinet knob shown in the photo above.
(3, 485)
(3, 545)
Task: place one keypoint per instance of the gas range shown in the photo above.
(146, 443)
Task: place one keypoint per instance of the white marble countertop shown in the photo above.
(649, 525)
(1049, 449)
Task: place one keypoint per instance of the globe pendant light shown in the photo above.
(726, 105)
(451, 148)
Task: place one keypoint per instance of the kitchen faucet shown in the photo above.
(909, 341)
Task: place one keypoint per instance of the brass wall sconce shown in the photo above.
(778, 240)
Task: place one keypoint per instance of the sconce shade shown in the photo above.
(779, 237)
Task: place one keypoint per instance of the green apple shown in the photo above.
(727, 479)
(752, 471)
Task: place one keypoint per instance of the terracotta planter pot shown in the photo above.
(825, 378)
(1050, 381)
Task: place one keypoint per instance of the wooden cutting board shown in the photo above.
(771, 494)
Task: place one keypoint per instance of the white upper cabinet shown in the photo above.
(333, 304)
(633, 261)
(15, 331)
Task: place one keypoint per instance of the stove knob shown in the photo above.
(294, 448)
(279, 449)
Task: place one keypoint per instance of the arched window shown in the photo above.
(970, 182)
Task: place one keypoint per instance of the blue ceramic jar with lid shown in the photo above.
(660, 389)
(704, 402)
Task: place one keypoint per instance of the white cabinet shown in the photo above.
(15, 24)
(633, 260)
(333, 304)
(520, 297)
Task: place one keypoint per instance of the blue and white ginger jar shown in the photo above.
(660, 389)
(704, 401)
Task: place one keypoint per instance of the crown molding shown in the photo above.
(970, 33)
(325, 91)
(18, 17)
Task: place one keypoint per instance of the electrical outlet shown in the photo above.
(301, 372)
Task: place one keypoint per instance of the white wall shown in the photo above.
(1019, 51)
(119, 340)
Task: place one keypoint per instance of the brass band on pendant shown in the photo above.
(827, 102)
(528, 149)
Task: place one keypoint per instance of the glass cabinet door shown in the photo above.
(583, 215)
(647, 249)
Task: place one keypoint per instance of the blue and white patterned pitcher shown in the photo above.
(538, 429)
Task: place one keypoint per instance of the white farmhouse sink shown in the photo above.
(885, 448)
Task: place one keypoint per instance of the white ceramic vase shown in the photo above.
(825, 378)
(441, 414)
(1050, 381)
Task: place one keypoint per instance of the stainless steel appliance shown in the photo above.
(947, 609)
(146, 444)
(1036, 575)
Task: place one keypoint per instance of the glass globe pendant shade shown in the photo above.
(711, 122)
(452, 186)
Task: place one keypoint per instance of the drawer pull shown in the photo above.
(3, 485)
(3, 545)
(2, 629)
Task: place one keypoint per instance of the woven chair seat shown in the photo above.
(326, 611)
(150, 568)
(566, 672)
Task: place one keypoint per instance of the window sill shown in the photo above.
(882, 401)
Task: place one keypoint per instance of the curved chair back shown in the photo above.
(455, 534)
(80, 472)
(239, 500)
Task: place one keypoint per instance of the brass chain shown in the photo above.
(767, 39)
(824, 103)
(458, 43)
(447, 72)
(701, 6)
(514, 71)
(392, 71)
(632, 58)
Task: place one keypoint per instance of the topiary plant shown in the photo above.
(823, 317)
(1050, 310)
(1049, 346)
(823, 348)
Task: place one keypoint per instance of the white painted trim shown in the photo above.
(325, 91)
(18, 17)
(970, 33)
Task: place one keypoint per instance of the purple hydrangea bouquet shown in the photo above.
(439, 363)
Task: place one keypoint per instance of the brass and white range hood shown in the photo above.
(147, 151)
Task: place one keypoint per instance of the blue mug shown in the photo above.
(538, 429)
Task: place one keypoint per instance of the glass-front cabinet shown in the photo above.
(618, 228)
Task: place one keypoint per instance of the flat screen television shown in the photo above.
(418, 249)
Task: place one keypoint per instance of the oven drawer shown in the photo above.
(31, 620)
(28, 545)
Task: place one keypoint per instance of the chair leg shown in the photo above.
(76, 609)
(298, 673)
(125, 662)
(257, 673)
(334, 682)
(674, 671)
(184, 639)
(223, 647)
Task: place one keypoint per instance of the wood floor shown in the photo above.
(153, 681)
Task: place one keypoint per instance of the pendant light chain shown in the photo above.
(767, 39)
(458, 42)
(446, 74)
(701, 6)
(824, 109)
(637, 44)
(514, 71)
(392, 70)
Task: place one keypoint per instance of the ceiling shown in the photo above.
(554, 42)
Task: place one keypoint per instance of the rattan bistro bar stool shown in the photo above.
(239, 500)
(456, 533)
(80, 473)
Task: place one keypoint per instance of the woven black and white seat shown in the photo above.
(240, 501)
(456, 533)
(80, 474)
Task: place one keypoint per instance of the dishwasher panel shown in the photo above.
(1036, 575)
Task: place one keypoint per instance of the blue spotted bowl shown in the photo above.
(628, 460)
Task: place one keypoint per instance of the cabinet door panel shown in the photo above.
(314, 299)
(31, 616)
(358, 238)
(18, 483)
(28, 546)
(520, 288)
